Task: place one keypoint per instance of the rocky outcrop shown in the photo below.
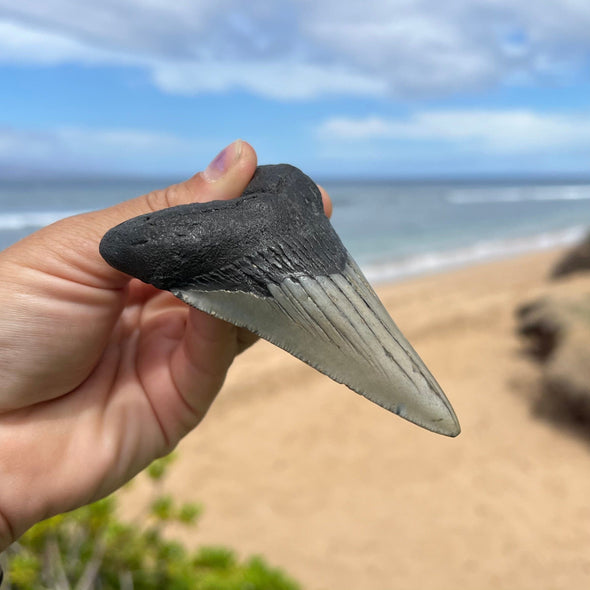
(556, 329)
(575, 260)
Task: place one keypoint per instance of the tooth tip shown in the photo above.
(446, 423)
(450, 428)
(433, 413)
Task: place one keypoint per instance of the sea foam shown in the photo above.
(430, 262)
(518, 194)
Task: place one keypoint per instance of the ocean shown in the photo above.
(393, 229)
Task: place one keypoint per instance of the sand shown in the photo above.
(344, 495)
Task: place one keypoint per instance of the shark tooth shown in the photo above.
(271, 262)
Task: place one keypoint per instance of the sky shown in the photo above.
(340, 88)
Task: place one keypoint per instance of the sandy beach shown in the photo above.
(344, 495)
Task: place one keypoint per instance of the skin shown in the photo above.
(101, 374)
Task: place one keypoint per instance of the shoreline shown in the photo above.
(342, 494)
(418, 265)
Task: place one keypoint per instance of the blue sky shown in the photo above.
(358, 88)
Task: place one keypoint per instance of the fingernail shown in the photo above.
(223, 162)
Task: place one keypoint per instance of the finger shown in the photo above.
(200, 362)
(326, 200)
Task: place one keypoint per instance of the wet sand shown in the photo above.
(344, 495)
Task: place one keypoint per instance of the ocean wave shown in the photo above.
(474, 196)
(479, 252)
(31, 219)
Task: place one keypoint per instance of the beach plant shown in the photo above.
(93, 548)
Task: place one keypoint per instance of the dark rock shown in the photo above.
(575, 261)
(556, 328)
(539, 326)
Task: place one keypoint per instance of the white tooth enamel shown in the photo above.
(338, 325)
(324, 314)
(343, 318)
(360, 294)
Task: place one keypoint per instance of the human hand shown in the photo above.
(101, 374)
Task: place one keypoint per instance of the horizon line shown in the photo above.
(497, 177)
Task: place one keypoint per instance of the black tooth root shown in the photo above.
(276, 229)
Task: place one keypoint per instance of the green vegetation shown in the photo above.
(92, 549)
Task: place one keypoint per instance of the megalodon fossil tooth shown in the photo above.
(271, 262)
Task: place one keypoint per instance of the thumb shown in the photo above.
(74, 241)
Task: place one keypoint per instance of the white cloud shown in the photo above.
(503, 132)
(307, 48)
(23, 45)
(273, 79)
